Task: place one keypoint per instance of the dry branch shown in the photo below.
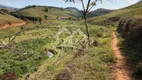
(9, 45)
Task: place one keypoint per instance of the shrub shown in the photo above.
(51, 68)
(108, 58)
(138, 71)
(1, 73)
(114, 19)
(35, 19)
(45, 16)
(130, 27)
(46, 9)
(29, 6)
(4, 11)
(131, 30)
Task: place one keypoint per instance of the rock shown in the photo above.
(50, 54)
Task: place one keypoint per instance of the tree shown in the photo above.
(86, 9)
(10, 44)
(45, 16)
(4, 11)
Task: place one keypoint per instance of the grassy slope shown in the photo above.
(99, 12)
(130, 29)
(5, 19)
(91, 65)
(94, 64)
(131, 11)
(52, 13)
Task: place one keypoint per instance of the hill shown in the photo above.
(10, 9)
(8, 19)
(47, 12)
(99, 12)
(74, 11)
(113, 17)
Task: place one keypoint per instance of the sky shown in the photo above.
(111, 4)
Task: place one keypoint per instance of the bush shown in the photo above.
(51, 68)
(108, 58)
(46, 9)
(130, 27)
(114, 19)
(1, 73)
(138, 71)
(45, 16)
(23, 68)
(29, 6)
(4, 11)
(35, 19)
(131, 30)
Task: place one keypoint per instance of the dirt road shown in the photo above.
(12, 25)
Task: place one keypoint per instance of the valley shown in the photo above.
(51, 43)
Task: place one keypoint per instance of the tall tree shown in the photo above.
(87, 6)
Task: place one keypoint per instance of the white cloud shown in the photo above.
(62, 0)
(6, 2)
(132, 1)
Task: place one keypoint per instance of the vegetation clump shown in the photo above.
(131, 30)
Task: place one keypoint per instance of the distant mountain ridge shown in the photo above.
(75, 10)
(99, 12)
(10, 9)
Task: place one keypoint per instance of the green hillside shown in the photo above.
(7, 19)
(49, 12)
(99, 12)
(131, 11)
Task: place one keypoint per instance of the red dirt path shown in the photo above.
(12, 25)
(122, 71)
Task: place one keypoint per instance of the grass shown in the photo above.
(114, 17)
(30, 41)
(52, 12)
(132, 50)
(93, 64)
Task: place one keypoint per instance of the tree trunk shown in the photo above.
(87, 31)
